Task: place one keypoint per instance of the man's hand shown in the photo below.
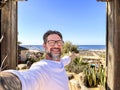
(9, 81)
(71, 54)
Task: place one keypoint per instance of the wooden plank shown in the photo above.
(9, 29)
(117, 45)
(113, 47)
(103, 0)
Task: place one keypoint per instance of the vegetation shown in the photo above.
(69, 47)
(77, 65)
(94, 76)
(34, 57)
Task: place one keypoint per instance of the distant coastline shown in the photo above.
(80, 47)
(91, 47)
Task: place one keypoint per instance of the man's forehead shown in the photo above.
(53, 36)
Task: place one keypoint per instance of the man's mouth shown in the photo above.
(55, 50)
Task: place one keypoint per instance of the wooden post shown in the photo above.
(9, 32)
(113, 45)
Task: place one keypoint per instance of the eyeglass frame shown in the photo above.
(55, 42)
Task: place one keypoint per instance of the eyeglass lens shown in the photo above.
(52, 42)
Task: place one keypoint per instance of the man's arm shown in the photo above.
(9, 81)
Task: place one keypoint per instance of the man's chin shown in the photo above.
(56, 57)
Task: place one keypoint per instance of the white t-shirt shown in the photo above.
(45, 75)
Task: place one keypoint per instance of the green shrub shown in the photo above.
(69, 47)
(94, 77)
(77, 65)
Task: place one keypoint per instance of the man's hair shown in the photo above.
(49, 32)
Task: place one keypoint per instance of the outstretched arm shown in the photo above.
(9, 81)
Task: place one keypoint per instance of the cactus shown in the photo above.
(94, 77)
(102, 76)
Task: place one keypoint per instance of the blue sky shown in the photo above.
(82, 22)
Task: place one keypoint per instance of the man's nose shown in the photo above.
(56, 45)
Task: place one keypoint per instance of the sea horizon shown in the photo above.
(80, 47)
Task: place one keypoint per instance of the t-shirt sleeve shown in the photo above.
(66, 60)
(28, 79)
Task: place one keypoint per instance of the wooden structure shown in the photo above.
(113, 44)
(8, 34)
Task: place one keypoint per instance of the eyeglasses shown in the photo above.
(52, 42)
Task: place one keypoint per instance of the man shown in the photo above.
(47, 74)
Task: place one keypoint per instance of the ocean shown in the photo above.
(91, 47)
(80, 47)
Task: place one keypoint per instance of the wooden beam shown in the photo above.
(9, 31)
(20, 0)
(113, 47)
(103, 0)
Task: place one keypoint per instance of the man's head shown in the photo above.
(53, 42)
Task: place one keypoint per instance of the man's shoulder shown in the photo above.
(41, 63)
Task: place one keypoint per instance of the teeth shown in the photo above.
(56, 50)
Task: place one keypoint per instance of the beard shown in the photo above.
(54, 56)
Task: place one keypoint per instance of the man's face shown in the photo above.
(53, 47)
